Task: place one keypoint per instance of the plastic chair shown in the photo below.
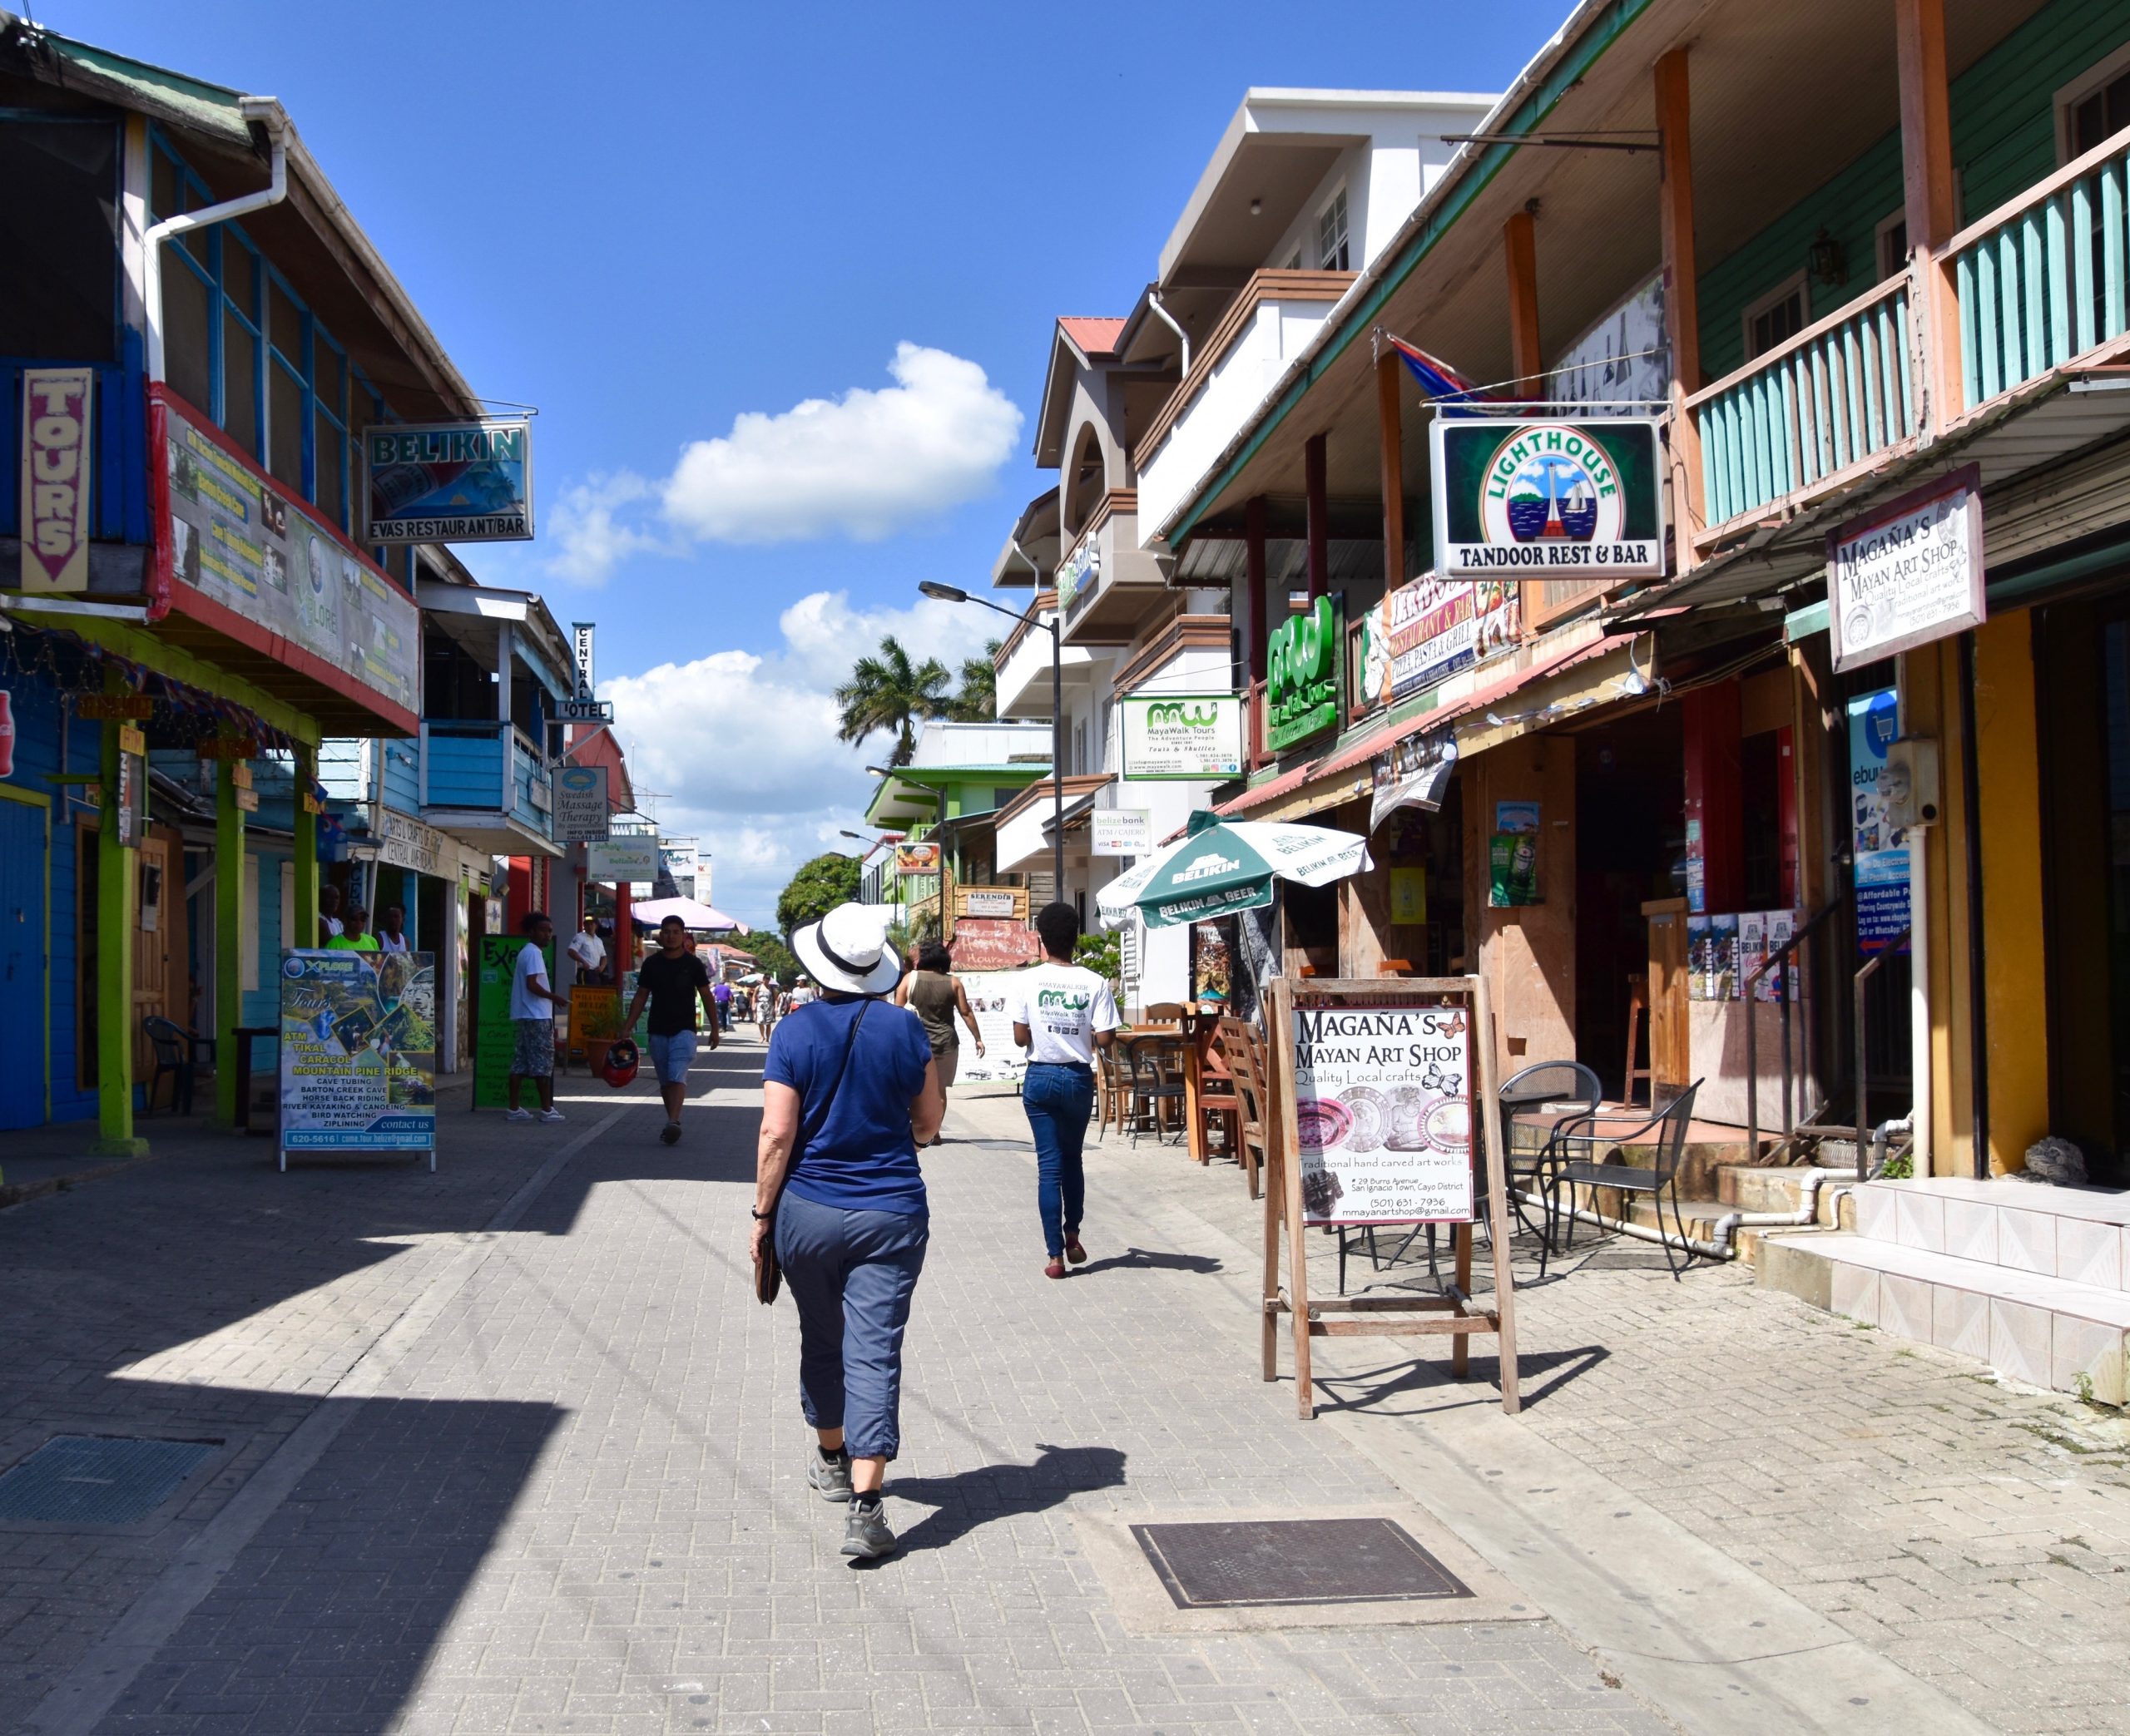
(1669, 1126)
(177, 1053)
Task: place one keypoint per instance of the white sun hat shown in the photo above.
(847, 950)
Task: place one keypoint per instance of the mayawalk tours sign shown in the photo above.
(1182, 735)
(1547, 499)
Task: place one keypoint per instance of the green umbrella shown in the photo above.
(1219, 866)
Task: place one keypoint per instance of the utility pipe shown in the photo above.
(1182, 337)
(1807, 1212)
(267, 111)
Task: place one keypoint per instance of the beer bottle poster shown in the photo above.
(1383, 1114)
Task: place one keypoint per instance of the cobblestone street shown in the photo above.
(512, 1448)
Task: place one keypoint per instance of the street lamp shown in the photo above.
(954, 594)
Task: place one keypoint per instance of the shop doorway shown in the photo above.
(2082, 656)
(25, 828)
(1630, 849)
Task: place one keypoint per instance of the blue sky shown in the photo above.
(652, 221)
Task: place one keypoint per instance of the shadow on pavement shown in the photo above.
(1540, 1373)
(970, 1498)
(1151, 1259)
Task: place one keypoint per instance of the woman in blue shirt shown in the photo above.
(850, 1091)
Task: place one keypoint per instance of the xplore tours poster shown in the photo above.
(1383, 1114)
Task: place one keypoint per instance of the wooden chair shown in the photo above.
(1109, 1092)
(1394, 968)
(1244, 1057)
(1638, 1015)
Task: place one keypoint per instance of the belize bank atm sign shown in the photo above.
(1542, 499)
(450, 481)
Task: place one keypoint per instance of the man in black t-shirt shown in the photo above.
(674, 980)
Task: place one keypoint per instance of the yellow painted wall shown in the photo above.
(2015, 996)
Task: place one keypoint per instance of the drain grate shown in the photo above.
(98, 1479)
(1226, 1565)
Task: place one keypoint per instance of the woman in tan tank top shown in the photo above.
(932, 991)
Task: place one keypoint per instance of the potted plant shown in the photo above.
(602, 1029)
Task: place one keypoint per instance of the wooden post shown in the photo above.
(1260, 604)
(1499, 1217)
(305, 863)
(1520, 250)
(1320, 516)
(1926, 151)
(1681, 300)
(229, 919)
(1280, 1050)
(118, 869)
(1390, 436)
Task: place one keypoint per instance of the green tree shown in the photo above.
(772, 956)
(816, 889)
(976, 701)
(886, 691)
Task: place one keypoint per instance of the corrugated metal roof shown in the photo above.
(1096, 335)
(173, 96)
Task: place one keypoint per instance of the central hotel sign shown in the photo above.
(1546, 499)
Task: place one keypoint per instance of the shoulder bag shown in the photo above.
(768, 1274)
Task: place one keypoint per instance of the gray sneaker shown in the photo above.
(866, 1535)
(829, 1478)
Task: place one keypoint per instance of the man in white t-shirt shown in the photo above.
(532, 1004)
(1061, 1012)
(588, 951)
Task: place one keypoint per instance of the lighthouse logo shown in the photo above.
(1551, 483)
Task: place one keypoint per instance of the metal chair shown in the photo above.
(1148, 1084)
(1668, 1126)
(1568, 1084)
(178, 1054)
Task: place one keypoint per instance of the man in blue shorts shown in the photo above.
(674, 980)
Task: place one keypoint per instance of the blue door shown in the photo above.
(22, 964)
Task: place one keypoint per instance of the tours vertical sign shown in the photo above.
(56, 411)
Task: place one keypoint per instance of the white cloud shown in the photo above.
(864, 466)
(741, 748)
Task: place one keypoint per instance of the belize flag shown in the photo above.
(1441, 382)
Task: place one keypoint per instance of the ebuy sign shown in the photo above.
(1536, 499)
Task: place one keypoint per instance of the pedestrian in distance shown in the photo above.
(1061, 1013)
(532, 1004)
(802, 993)
(722, 994)
(766, 999)
(392, 929)
(849, 1092)
(936, 995)
(674, 980)
(588, 951)
(355, 935)
(329, 915)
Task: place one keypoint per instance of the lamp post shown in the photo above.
(954, 594)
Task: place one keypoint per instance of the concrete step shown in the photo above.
(2046, 1331)
(2081, 1234)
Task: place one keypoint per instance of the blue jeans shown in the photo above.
(853, 1274)
(672, 1056)
(1059, 1098)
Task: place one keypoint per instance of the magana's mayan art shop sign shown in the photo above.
(1305, 675)
(1541, 499)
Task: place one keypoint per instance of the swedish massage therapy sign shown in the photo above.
(1383, 1113)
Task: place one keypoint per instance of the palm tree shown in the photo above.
(886, 691)
(976, 701)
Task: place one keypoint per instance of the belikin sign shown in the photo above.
(1547, 499)
(450, 481)
(1910, 573)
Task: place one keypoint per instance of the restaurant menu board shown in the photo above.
(1383, 1114)
(989, 992)
(241, 542)
(358, 1051)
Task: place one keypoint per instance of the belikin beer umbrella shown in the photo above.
(1219, 866)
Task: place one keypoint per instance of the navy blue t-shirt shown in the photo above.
(864, 1158)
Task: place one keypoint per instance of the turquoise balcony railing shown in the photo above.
(1839, 395)
(2041, 278)
(473, 765)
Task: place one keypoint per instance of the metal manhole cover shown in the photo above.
(1226, 1564)
(98, 1479)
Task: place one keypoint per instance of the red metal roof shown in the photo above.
(1097, 337)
